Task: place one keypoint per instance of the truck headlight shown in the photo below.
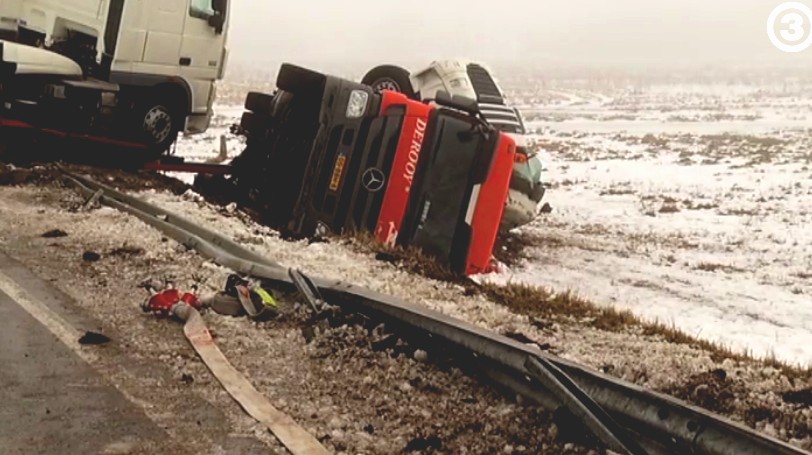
(358, 104)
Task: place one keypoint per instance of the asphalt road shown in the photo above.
(53, 402)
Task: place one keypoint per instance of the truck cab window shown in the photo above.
(201, 9)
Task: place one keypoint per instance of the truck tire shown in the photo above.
(259, 103)
(389, 77)
(296, 79)
(261, 111)
(254, 124)
(281, 104)
(157, 124)
(282, 158)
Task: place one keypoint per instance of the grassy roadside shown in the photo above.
(561, 307)
(712, 390)
(535, 302)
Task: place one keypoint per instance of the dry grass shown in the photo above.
(563, 307)
(411, 259)
(713, 267)
(669, 208)
(617, 191)
(544, 304)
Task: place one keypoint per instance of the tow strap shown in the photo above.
(295, 438)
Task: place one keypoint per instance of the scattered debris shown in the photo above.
(803, 397)
(386, 257)
(244, 297)
(423, 444)
(92, 201)
(91, 256)
(54, 233)
(712, 390)
(162, 304)
(127, 251)
(93, 339)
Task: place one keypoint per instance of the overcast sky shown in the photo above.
(503, 32)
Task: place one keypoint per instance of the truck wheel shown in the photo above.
(259, 103)
(254, 125)
(389, 77)
(282, 104)
(296, 79)
(157, 124)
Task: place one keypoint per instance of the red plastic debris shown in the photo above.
(161, 303)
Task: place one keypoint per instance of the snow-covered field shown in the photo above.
(690, 205)
(687, 205)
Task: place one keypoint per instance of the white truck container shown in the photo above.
(159, 59)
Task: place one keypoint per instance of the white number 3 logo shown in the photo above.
(787, 27)
(794, 30)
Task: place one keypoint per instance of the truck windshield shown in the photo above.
(201, 9)
(440, 208)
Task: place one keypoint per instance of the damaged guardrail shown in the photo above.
(627, 418)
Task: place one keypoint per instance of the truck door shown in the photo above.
(164, 23)
(202, 51)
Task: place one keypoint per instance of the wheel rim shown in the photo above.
(158, 124)
(386, 84)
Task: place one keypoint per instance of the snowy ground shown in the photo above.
(345, 385)
(690, 208)
(206, 146)
(771, 400)
(689, 205)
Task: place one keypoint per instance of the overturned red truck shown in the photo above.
(328, 154)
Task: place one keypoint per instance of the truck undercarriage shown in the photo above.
(47, 95)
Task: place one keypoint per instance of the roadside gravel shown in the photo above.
(357, 391)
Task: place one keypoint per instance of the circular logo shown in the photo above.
(373, 180)
(789, 27)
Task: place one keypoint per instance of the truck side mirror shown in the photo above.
(217, 21)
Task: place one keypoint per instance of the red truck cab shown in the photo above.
(331, 154)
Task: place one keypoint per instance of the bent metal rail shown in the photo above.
(641, 421)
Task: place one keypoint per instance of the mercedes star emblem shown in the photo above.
(373, 180)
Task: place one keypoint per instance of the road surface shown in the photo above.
(52, 401)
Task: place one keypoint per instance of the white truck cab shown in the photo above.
(472, 80)
(164, 56)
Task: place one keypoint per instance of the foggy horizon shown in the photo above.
(630, 34)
